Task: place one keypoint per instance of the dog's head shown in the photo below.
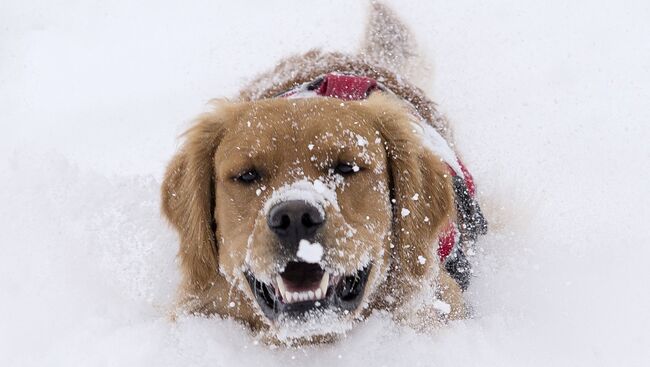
(293, 208)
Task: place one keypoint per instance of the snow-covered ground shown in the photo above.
(550, 104)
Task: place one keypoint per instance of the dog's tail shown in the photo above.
(388, 42)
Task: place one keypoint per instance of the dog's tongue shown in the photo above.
(301, 281)
(301, 276)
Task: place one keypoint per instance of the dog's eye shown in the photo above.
(347, 168)
(248, 176)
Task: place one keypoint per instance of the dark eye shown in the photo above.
(347, 168)
(248, 176)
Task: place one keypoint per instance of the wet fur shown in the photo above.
(214, 215)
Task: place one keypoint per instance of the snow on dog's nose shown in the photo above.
(295, 220)
(296, 212)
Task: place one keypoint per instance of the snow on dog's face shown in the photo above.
(301, 216)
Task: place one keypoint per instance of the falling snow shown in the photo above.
(549, 109)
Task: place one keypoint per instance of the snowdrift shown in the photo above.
(549, 104)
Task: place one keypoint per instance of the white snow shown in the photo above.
(317, 323)
(441, 306)
(361, 141)
(316, 193)
(436, 144)
(405, 212)
(310, 252)
(549, 103)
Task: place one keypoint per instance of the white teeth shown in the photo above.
(281, 287)
(324, 283)
(311, 295)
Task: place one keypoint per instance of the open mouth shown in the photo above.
(303, 287)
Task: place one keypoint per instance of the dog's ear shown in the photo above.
(421, 187)
(188, 195)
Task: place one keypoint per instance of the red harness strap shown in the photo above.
(449, 235)
(346, 87)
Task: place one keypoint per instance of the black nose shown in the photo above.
(295, 220)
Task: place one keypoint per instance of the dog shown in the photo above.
(327, 190)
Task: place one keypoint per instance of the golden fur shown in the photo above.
(215, 215)
(220, 221)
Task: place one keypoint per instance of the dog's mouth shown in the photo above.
(303, 287)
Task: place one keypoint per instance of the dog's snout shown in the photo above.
(294, 220)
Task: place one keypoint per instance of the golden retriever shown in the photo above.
(301, 216)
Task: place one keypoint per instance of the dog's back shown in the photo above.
(388, 54)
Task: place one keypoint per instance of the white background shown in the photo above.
(549, 101)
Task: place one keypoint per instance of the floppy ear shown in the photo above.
(421, 189)
(188, 197)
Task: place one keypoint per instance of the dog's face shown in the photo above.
(291, 211)
(295, 179)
